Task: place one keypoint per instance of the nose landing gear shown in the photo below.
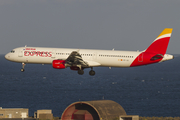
(22, 69)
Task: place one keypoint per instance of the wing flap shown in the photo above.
(92, 63)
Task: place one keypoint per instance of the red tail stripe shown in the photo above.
(158, 46)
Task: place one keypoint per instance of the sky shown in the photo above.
(88, 24)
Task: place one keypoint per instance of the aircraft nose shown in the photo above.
(7, 56)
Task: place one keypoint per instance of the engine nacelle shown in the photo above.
(59, 64)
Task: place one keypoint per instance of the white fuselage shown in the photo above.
(106, 58)
(79, 59)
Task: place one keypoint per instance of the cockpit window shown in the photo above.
(12, 51)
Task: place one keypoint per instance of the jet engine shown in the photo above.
(59, 64)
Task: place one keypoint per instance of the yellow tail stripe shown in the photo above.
(166, 31)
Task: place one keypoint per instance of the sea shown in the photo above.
(151, 90)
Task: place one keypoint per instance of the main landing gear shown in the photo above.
(91, 72)
(22, 69)
(80, 72)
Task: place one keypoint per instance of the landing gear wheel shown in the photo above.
(80, 72)
(22, 70)
(92, 72)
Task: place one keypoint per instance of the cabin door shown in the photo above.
(140, 58)
(94, 56)
(20, 54)
(53, 54)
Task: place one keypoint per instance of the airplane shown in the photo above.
(79, 59)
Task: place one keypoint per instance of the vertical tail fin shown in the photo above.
(156, 51)
(160, 44)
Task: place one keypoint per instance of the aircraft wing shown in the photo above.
(75, 59)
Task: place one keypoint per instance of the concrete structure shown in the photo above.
(93, 110)
(43, 114)
(129, 117)
(14, 113)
